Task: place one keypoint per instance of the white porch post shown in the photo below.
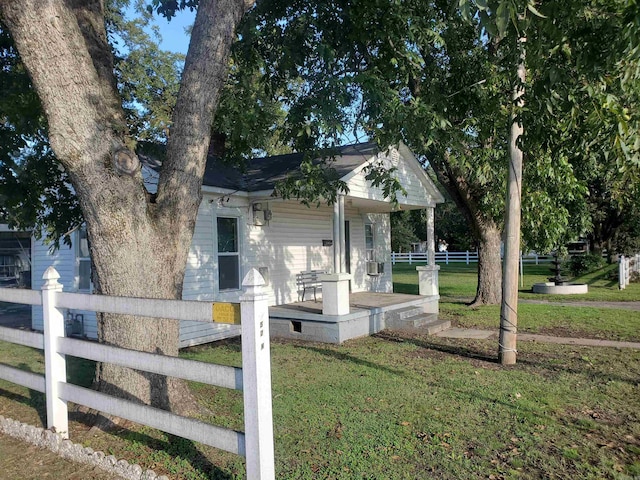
(335, 286)
(256, 374)
(428, 274)
(431, 239)
(335, 293)
(336, 238)
(55, 369)
(343, 248)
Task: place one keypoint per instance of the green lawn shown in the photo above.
(407, 406)
(458, 280)
(458, 284)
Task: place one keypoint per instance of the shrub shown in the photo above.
(585, 263)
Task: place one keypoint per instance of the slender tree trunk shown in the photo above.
(139, 243)
(509, 308)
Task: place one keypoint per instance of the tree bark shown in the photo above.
(509, 309)
(139, 246)
(489, 290)
(485, 230)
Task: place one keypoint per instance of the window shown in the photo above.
(83, 259)
(369, 242)
(228, 254)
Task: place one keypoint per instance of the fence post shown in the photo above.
(537, 262)
(446, 257)
(621, 274)
(467, 257)
(410, 258)
(54, 362)
(256, 374)
(393, 258)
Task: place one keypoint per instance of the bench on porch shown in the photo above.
(308, 280)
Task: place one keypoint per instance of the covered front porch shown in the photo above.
(368, 313)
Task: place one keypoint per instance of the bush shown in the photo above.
(585, 263)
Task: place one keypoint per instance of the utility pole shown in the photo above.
(509, 309)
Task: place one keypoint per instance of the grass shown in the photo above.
(410, 406)
(458, 280)
(405, 406)
(458, 284)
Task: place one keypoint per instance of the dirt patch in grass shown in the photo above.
(21, 460)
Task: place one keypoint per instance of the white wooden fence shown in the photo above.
(254, 378)
(627, 266)
(459, 257)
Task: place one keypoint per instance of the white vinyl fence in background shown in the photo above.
(254, 378)
(459, 257)
(627, 266)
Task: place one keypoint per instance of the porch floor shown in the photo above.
(359, 300)
(370, 312)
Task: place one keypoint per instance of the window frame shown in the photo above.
(80, 258)
(370, 253)
(236, 254)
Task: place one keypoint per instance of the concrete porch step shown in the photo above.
(402, 314)
(428, 322)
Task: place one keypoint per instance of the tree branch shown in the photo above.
(205, 70)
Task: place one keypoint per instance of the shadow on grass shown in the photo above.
(457, 350)
(408, 288)
(177, 448)
(545, 364)
(35, 400)
(349, 358)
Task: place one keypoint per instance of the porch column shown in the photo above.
(336, 238)
(428, 280)
(335, 293)
(343, 247)
(428, 274)
(431, 240)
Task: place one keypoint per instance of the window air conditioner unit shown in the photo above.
(375, 268)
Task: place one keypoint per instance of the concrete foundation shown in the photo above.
(551, 288)
(304, 321)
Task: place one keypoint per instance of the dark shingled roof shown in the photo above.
(263, 173)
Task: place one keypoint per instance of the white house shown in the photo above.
(241, 225)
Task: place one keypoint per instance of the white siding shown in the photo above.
(64, 261)
(198, 278)
(201, 274)
(292, 242)
(409, 178)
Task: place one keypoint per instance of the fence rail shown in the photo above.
(627, 266)
(459, 257)
(254, 378)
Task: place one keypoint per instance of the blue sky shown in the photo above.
(175, 39)
(173, 33)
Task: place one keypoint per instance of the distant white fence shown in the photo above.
(254, 378)
(460, 257)
(627, 266)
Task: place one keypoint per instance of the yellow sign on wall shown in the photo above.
(226, 313)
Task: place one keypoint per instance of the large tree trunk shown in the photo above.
(489, 291)
(485, 230)
(139, 243)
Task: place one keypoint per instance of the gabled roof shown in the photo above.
(263, 173)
